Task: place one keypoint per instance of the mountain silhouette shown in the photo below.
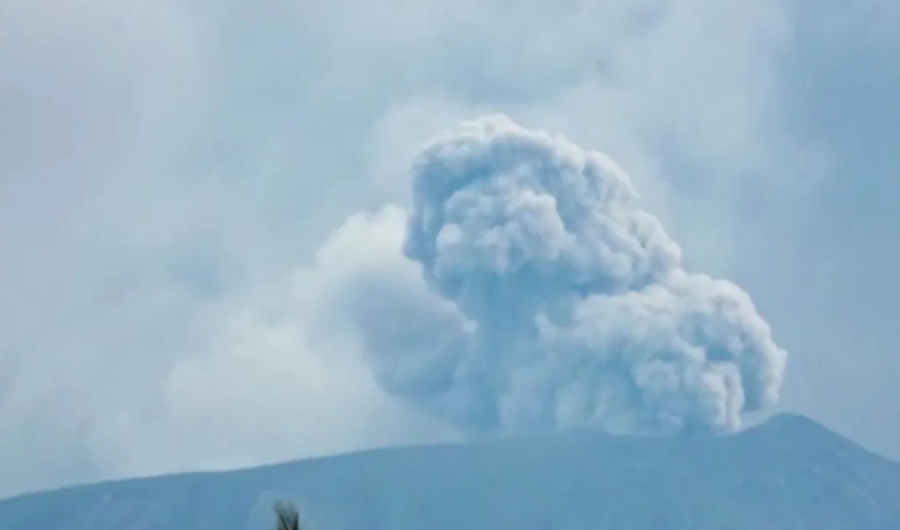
(786, 474)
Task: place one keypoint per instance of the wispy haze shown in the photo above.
(178, 181)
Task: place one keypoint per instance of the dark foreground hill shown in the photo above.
(788, 474)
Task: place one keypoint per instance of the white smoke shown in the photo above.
(534, 294)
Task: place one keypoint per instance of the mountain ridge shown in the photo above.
(787, 473)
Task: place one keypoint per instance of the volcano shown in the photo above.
(789, 473)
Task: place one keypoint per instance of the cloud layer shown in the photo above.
(169, 171)
(546, 298)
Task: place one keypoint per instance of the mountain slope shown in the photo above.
(788, 474)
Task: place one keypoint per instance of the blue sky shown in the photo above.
(170, 172)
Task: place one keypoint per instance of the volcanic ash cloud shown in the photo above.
(534, 294)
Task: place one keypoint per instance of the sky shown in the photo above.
(184, 187)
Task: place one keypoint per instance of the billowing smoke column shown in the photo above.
(551, 300)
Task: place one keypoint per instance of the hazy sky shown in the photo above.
(170, 171)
